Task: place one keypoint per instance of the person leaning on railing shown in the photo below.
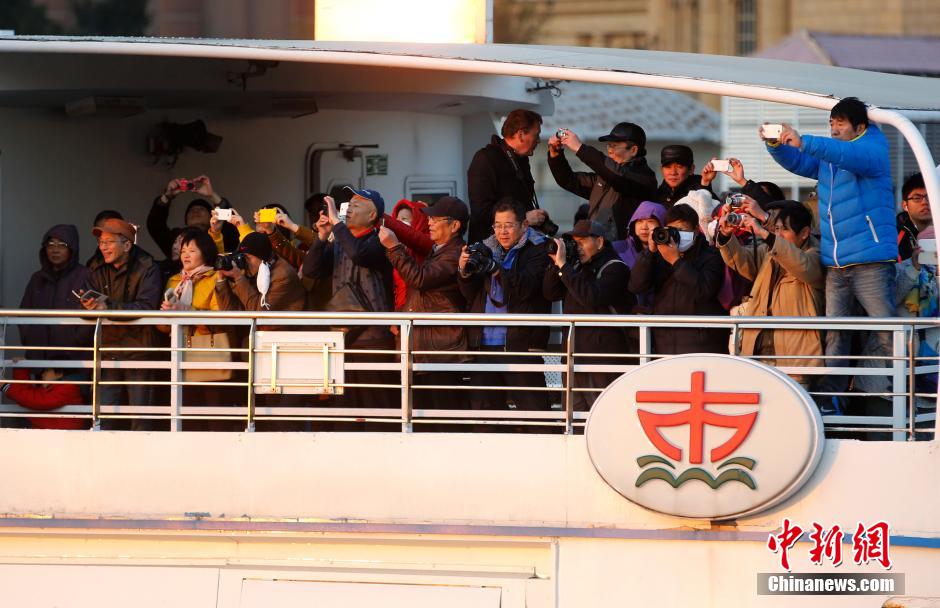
(593, 283)
(789, 281)
(504, 275)
(127, 279)
(431, 283)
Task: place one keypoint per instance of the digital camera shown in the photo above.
(571, 248)
(663, 235)
(736, 201)
(231, 260)
(481, 260)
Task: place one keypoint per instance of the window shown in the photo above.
(746, 26)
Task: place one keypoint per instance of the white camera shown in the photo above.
(721, 165)
(223, 215)
(771, 131)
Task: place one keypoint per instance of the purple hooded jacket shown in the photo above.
(628, 248)
(51, 289)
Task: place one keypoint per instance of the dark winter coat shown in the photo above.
(522, 290)
(432, 287)
(137, 285)
(51, 289)
(614, 191)
(583, 292)
(689, 287)
(348, 258)
(668, 196)
(496, 172)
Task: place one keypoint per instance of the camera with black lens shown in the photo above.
(663, 235)
(735, 219)
(231, 260)
(481, 260)
(571, 248)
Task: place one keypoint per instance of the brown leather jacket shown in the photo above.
(432, 287)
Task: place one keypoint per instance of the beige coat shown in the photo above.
(798, 292)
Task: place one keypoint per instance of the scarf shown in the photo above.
(505, 259)
(184, 290)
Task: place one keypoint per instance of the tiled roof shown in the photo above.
(895, 54)
(590, 110)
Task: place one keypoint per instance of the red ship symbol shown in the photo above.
(697, 417)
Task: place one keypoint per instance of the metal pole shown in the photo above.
(911, 383)
(176, 390)
(250, 425)
(900, 381)
(644, 343)
(569, 381)
(95, 377)
(407, 394)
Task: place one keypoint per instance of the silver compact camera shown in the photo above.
(560, 133)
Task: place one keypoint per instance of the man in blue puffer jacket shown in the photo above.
(857, 223)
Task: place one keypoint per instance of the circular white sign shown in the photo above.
(705, 436)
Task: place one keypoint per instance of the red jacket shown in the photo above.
(415, 237)
(44, 398)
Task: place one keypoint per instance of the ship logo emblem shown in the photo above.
(697, 417)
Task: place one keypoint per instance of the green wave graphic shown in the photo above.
(651, 458)
(743, 461)
(697, 474)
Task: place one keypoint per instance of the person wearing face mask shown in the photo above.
(619, 182)
(265, 283)
(788, 278)
(501, 170)
(685, 275)
(595, 284)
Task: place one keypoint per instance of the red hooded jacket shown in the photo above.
(415, 237)
(44, 398)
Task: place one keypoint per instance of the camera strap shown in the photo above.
(515, 167)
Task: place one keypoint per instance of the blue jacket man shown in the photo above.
(857, 225)
(855, 193)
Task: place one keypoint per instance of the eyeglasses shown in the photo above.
(56, 245)
(918, 198)
(110, 243)
(505, 227)
(433, 219)
(618, 144)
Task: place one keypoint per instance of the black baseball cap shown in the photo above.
(676, 153)
(626, 131)
(449, 206)
(588, 228)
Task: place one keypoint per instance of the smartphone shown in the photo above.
(267, 216)
(771, 131)
(223, 215)
(342, 212)
(721, 165)
(89, 294)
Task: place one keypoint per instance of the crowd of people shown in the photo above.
(638, 246)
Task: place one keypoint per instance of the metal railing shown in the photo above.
(908, 414)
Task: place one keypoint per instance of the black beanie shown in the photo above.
(258, 245)
(199, 202)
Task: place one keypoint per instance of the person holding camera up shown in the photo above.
(501, 170)
(362, 282)
(255, 279)
(788, 278)
(500, 275)
(590, 278)
(620, 181)
(198, 215)
(685, 275)
(431, 286)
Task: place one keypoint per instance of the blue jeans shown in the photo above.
(871, 287)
